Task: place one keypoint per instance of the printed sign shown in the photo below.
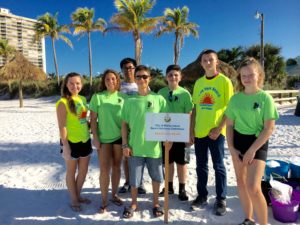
(174, 127)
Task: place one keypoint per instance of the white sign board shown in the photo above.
(173, 127)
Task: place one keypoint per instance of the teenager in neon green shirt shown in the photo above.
(139, 151)
(251, 116)
(74, 132)
(210, 96)
(178, 100)
(106, 109)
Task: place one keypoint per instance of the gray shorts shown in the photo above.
(136, 166)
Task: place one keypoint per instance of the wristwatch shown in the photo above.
(124, 146)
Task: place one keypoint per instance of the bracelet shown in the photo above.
(124, 146)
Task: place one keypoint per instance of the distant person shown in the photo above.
(251, 116)
(106, 121)
(139, 151)
(71, 112)
(210, 96)
(129, 87)
(178, 100)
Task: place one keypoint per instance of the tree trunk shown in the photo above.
(138, 47)
(90, 60)
(176, 49)
(55, 60)
(20, 93)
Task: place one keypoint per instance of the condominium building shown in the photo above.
(19, 31)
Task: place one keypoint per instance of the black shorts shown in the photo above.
(177, 154)
(116, 142)
(79, 149)
(242, 142)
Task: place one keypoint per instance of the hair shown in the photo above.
(65, 93)
(142, 68)
(126, 61)
(207, 51)
(173, 67)
(102, 83)
(250, 61)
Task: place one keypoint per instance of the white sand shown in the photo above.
(32, 185)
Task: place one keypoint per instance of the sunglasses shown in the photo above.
(139, 77)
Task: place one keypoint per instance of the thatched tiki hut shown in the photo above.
(20, 69)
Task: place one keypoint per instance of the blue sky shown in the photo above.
(222, 24)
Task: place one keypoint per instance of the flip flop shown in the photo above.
(76, 208)
(117, 200)
(128, 212)
(157, 211)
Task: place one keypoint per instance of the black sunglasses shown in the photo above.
(139, 77)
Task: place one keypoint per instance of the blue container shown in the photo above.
(281, 170)
(295, 170)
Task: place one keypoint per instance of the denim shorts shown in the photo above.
(136, 166)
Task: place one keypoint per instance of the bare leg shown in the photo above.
(155, 188)
(70, 181)
(116, 168)
(241, 176)
(134, 193)
(171, 172)
(105, 160)
(182, 173)
(255, 173)
(83, 164)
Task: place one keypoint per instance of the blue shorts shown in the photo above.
(136, 166)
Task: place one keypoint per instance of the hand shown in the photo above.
(168, 145)
(214, 133)
(235, 154)
(127, 152)
(192, 138)
(248, 157)
(66, 154)
(96, 143)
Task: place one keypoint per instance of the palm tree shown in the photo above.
(176, 20)
(48, 26)
(131, 17)
(20, 69)
(6, 50)
(83, 23)
(232, 56)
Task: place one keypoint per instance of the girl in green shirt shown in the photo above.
(106, 109)
(251, 116)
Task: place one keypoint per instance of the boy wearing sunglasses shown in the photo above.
(178, 100)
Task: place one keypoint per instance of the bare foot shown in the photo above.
(76, 207)
(84, 200)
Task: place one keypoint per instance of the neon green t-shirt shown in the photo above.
(178, 101)
(77, 127)
(210, 97)
(108, 106)
(249, 112)
(134, 114)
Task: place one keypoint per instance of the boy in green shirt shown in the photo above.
(139, 151)
(178, 100)
(211, 95)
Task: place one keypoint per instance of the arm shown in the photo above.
(192, 126)
(269, 126)
(215, 132)
(61, 113)
(94, 128)
(127, 151)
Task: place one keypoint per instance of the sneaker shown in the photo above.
(182, 196)
(247, 222)
(125, 188)
(220, 207)
(170, 191)
(141, 190)
(199, 202)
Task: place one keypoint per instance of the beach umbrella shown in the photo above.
(18, 68)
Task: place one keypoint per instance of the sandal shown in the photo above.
(76, 208)
(157, 211)
(128, 212)
(103, 209)
(116, 200)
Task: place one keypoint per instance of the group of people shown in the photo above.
(118, 127)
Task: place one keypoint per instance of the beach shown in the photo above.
(32, 174)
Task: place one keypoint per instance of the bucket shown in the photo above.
(281, 170)
(295, 170)
(284, 212)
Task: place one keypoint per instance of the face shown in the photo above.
(173, 77)
(142, 79)
(111, 82)
(209, 62)
(74, 85)
(128, 71)
(249, 76)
